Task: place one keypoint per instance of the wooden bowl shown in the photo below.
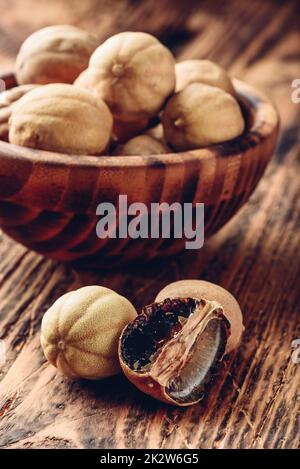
(48, 200)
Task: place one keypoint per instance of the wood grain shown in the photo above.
(255, 402)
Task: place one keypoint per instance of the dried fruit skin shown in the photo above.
(80, 332)
(202, 289)
(202, 71)
(122, 131)
(55, 54)
(82, 81)
(134, 74)
(201, 115)
(172, 349)
(7, 100)
(156, 132)
(61, 118)
(141, 145)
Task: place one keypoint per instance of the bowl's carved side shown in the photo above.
(48, 201)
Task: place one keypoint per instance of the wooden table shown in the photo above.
(255, 402)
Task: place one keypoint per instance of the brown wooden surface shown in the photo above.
(255, 403)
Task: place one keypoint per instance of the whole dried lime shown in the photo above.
(61, 118)
(142, 145)
(202, 71)
(80, 332)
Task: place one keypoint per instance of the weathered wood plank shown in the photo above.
(255, 402)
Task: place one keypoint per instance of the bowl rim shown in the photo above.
(265, 121)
